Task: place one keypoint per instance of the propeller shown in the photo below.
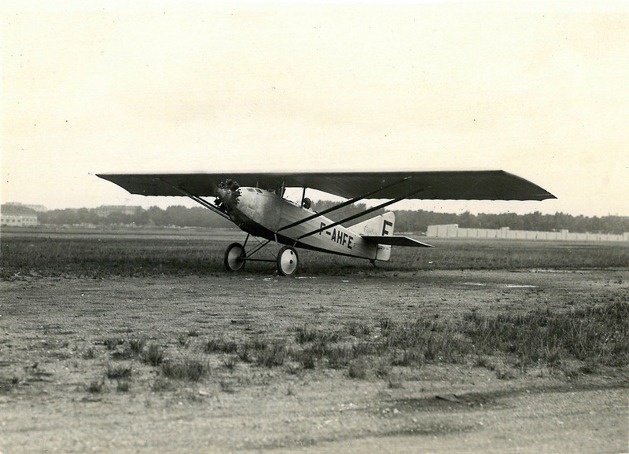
(227, 195)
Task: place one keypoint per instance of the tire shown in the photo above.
(287, 261)
(234, 259)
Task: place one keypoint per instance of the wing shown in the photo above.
(456, 185)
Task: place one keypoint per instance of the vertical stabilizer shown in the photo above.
(381, 225)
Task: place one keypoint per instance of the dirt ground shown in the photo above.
(53, 334)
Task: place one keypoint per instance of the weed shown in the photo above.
(571, 371)
(394, 382)
(89, 353)
(292, 369)
(161, 384)
(154, 355)
(227, 387)
(183, 340)
(220, 346)
(339, 356)
(95, 387)
(364, 348)
(357, 329)
(124, 354)
(383, 368)
(230, 362)
(307, 358)
(409, 357)
(386, 325)
(307, 333)
(504, 373)
(137, 345)
(185, 369)
(112, 342)
(358, 368)
(273, 355)
(589, 367)
(118, 372)
(484, 361)
(245, 354)
(123, 386)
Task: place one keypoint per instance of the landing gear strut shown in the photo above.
(287, 261)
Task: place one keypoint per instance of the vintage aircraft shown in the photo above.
(255, 202)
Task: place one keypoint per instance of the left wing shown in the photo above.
(458, 185)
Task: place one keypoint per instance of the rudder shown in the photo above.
(382, 224)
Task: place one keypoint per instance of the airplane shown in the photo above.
(256, 203)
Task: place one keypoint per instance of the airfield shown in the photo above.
(136, 340)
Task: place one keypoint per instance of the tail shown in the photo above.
(379, 230)
(374, 229)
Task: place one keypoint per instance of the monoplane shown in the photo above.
(256, 203)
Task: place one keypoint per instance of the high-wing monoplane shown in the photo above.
(256, 203)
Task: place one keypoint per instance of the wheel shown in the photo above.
(287, 261)
(234, 257)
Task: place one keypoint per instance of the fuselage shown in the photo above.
(265, 213)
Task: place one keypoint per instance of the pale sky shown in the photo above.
(537, 89)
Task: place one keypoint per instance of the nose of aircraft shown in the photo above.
(225, 197)
(228, 194)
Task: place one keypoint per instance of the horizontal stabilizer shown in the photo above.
(394, 240)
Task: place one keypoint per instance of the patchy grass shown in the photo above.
(118, 372)
(95, 387)
(307, 333)
(136, 345)
(273, 355)
(187, 369)
(153, 355)
(112, 342)
(220, 346)
(358, 369)
(596, 335)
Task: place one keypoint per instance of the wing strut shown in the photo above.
(346, 203)
(362, 213)
(197, 199)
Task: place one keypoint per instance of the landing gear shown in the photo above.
(287, 261)
(234, 259)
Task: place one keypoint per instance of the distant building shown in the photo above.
(453, 231)
(17, 207)
(105, 210)
(19, 220)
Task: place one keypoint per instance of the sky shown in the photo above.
(539, 89)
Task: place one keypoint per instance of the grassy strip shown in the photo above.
(114, 256)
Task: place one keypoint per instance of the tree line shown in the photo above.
(406, 220)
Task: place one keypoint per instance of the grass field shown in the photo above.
(147, 323)
(140, 252)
